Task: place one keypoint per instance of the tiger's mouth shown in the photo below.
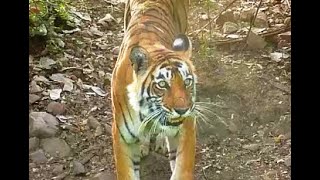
(175, 121)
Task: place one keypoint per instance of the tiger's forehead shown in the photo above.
(167, 70)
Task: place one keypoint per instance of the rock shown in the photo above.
(261, 20)
(99, 131)
(104, 176)
(93, 123)
(38, 156)
(33, 143)
(56, 108)
(233, 127)
(55, 147)
(229, 27)
(78, 168)
(33, 98)
(42, 125)
(254, 41)
(227, 16)
(57, 169)
(34, 87)
(251, 147)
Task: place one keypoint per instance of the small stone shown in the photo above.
(93, 123)
(204, 17)
(99, 131)
(251, 147)
(33, 98)
(55, 147)
(56, 108)
(57, 169)
(42, 125)
(34, 87)
(33, 143)
(78, 168)
(38, 156)
(229, 27)
(233, 127)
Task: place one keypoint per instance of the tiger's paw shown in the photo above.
(145, 147)
(161, 144)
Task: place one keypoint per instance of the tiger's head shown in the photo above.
(164, 89)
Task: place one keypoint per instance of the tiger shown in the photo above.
(153, 88)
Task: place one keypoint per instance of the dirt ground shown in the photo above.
(248, 134)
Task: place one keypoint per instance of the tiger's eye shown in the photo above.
(162, 84)
(188, 82)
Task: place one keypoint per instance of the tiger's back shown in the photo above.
(153, 43)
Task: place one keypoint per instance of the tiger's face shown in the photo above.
(167, 93)
(173, 86)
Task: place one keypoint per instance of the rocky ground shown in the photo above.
(246, 90)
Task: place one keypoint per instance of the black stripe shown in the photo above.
(130, 26)
(141, 116)
(129, 111)
(172, 157)
(167, 28)
(172, 151)
(160, 76)
(147, 33)
(142, 87)
(120, 133)
(136, 169)
(125, 122)
(136, 163)
(162, 11)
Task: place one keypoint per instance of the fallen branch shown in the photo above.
(265, 34)
(216, 17)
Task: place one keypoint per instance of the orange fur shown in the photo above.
(153, 25)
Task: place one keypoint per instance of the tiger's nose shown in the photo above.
(181, 111)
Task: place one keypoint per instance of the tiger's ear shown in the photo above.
(139, 59)
(183, 45)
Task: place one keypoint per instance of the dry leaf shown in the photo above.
(46, 62)
(107, 18)
(277, 56)
(84, 16)
(98, 91)
(57, 77)
(233, 36)
(68, 85)
(95, 31)
(71, 31)
(55, 94)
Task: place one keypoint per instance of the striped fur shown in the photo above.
(153, 88)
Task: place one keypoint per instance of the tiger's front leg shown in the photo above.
(127, 157)
(183, 166)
